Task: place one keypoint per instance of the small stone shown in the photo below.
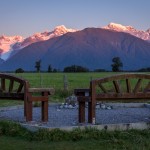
(71, 100)
(65, 106)
(103, 106)
(61, 106)
(76, 106)
(86, 105)
(74, 123)
(70, 106)
(97, 106)
(108, 107)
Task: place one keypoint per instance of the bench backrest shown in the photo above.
(121, 86)
(12, 87)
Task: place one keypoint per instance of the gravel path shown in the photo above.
(69, 117)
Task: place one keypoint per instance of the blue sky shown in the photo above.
(25, 17)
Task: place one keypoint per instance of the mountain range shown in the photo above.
(93, 48)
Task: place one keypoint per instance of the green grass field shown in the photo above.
(133, 140)
(14, 137)
(13, 143)
(56, 80)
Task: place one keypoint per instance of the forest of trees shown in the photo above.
(116, 66)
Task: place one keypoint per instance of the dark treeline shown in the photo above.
(116, 67)
(75, 68)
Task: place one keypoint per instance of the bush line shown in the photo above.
(9, 128)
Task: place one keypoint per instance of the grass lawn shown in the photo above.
(14, 137)
(14, 143)
(132, 140)
(56, 80)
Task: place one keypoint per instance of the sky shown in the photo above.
(26, 17)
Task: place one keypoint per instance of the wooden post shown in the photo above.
(92, 103)
(40, 80)
(29, 108)
(81, 111)
(65, 82)
(44, 107)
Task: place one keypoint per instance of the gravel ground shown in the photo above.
(69, 117)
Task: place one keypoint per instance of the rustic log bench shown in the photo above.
(121, 87)
(15, 88)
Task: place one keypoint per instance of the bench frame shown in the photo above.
(91, 96)
(23, 92)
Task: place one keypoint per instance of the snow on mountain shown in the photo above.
(10, 45)
(145, 35)
(93, 48)
(58, 31)
(148, 31)
(7, 42)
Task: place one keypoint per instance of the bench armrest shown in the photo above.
(50, 91)
(82, 92)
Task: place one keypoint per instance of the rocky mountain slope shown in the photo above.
(145, 35)
(93, 48)
(11, 45)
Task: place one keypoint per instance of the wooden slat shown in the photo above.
(38, 98)
(81, 92)
(147, 89)
(137, 86)
(117, 96)
(11, 84)
(84, 98)
(40, 90)
(102, 88)
(117, 86)
(20, 88)
(3, 86)
(128, 86)
(12, 96)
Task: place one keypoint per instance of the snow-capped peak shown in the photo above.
(148, 30)
(58, 31)
(62, 30)
(145, 35)
(119, 27)
(115, 26)
(8, 44)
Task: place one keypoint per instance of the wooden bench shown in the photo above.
(14, 88)
(121, 87)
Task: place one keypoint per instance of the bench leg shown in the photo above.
(91, 112)
(28, 109)
(81, 112)
(25, 101)
(45, 111)
(44, 108)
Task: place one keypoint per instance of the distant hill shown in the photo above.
(93, 48)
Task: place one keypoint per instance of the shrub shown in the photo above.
(10, 128)
(19, 70)
(75, 68)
